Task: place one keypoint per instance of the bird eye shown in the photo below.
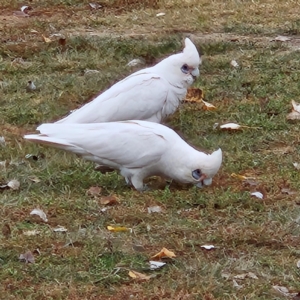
(185, 68)
(197, 174)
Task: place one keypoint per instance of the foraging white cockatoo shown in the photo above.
(138, 149)
(150, 94)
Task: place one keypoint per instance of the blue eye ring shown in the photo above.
(197, 174)
(185, 69)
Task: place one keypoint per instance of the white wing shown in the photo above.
(141, 96)
(127, 144)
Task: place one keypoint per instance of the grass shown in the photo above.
(88, 261)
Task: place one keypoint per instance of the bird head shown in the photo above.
(207, 169)
(181, 69)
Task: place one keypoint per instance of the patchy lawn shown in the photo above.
(71, 52)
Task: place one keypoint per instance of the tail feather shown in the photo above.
(54, 142)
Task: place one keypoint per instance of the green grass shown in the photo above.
(88, 261)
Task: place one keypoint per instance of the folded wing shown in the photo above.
(127, 144)
(140, 96)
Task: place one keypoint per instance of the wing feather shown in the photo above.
(140, 96)
(124, 143)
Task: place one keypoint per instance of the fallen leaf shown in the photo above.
(296, 165)
(31, 86)
(298, 264)
(24, 7)
(164, 252)
(234, 126)
(296, 106)
(39, 213)
(135, 62)
(281, 289)
(3, 164)
(109, 200)
(95, 5)
(251, 182)
(118, 229)
(194, 95)
(104, 209)
(46, 40)
(236, 285)
(27, 256)
(208, 106)
(138, 248)
(161, 14)
(208, 247)
(94, 191)
(281, 38)
(257, 195)
(241, 177)
(234, 64)
(139, 276)
(294, 115)
(156, 264)
(154, 209)
(225, 275)
(31, 232)
(60, 229)
(288, 191)
(2, 141)
(34, 31)
(90, 72)
(34, 179)
(245, 275)
(32, 156)
(14, 184)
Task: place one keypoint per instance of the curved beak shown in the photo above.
(195, 73)
(203, 180)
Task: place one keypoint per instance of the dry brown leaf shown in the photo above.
(94, 191)
(194, 95)
(46, 40)
(27, 256)
(164, 252)
(138, 276)
(109, 200)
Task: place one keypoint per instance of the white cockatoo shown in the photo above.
(150, 94)
(138, 149)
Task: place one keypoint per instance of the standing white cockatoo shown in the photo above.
(150, 94)
(138, 149)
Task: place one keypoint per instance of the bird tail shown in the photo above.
(50, 141)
